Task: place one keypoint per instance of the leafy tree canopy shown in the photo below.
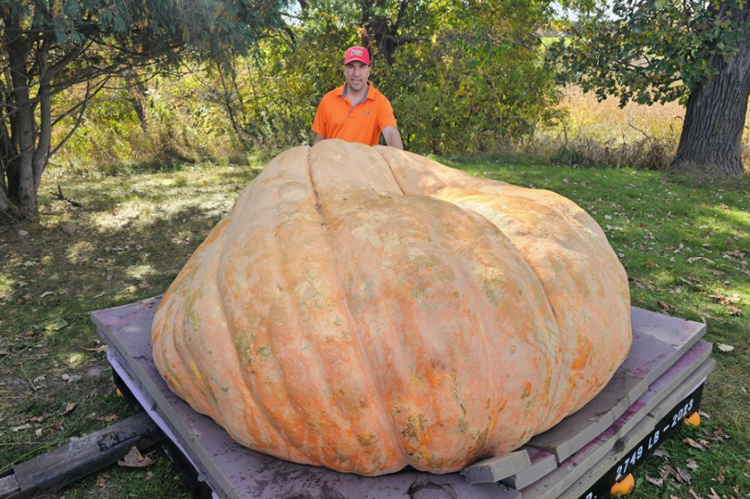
(649, 50)
(463, 76)
(47, 46)
(694, 51)
(148, 27)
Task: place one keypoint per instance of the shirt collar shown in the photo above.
(345, 87)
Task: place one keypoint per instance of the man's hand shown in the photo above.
(318, 137)
(391, 136)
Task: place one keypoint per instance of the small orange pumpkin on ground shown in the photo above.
(365, 309)
(624, 486)
(694, 420)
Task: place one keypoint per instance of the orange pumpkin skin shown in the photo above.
(364, 309)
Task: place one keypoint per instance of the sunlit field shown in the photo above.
(604, 134)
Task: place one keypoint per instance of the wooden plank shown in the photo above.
(629, 441)
(84, 456)
(630, 428)
(656, 392)
(233, 471)
(8, 486)
(496, 468)
(248, 474)
(542, 464)
(669, 381)
(680, 334)
(658, 342)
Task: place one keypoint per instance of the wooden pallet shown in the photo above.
(662, 375)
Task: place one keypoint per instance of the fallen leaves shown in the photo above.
(101, 479)
(690, 280)
(108, 419)
(712, 318)
(36, 423)
(726, 300)
(69, 407)
(732, 310)
(56, 325)
(70, 378)
(648, 285)
(658, 482)
(678, 478)
(729, 301)
(134, 459)
(719, 435)
(720, 478)
(735, 255)
(712, 495)
(667, 307)
(680, 475)
(692, 443)
(685, 475)
(100, 348)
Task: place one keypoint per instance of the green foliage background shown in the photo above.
(649, 51)
(463, 77)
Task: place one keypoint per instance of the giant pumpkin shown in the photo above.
(365, 309)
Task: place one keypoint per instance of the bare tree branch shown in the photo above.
(84, 103)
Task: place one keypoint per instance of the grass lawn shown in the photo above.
(685, 246)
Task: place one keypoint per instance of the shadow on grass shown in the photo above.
(127, 242)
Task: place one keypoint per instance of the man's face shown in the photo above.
(356, 74)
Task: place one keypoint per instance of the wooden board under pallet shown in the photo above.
(667, 358)
(79, 458)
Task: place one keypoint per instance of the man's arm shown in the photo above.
(318, 137)
(392, 137)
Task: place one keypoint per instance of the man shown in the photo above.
(356, 111)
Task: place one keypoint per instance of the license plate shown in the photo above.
(639, 453)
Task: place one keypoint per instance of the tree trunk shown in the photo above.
(44, 139)
(711, 138)
(24, 194)
(137, 95)
(381, 32)
(9, 212)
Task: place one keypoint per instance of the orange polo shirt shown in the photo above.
(337, 119)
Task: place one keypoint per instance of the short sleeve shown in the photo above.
(320, 122)
(385, 114)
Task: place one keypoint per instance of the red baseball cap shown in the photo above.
(357, 53)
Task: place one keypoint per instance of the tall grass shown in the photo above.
(602, 133)
(606, 121)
